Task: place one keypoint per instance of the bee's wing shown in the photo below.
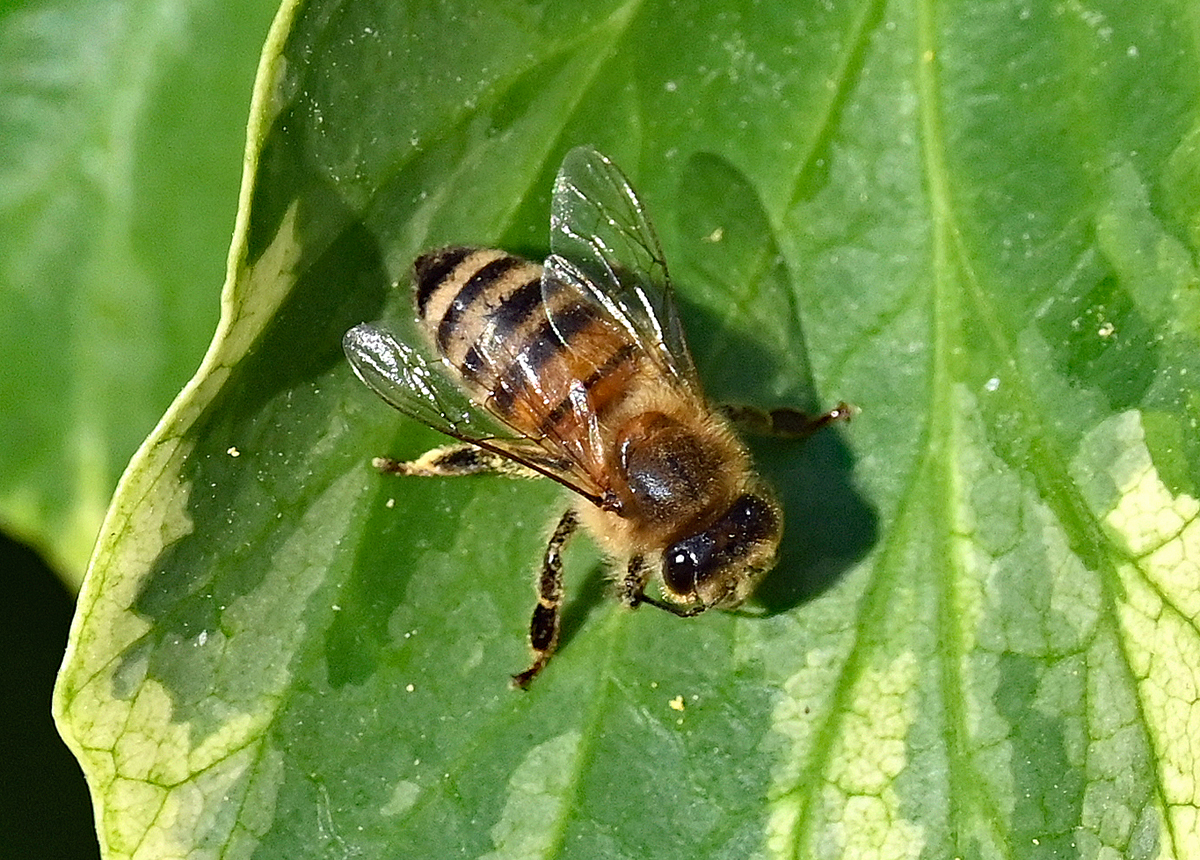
(408, 381)
(418, 387)
(602, 241)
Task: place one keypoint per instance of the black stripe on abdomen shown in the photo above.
(517, 306)
(471, 291)
(503, 324)
(431, 269)
(544, 343)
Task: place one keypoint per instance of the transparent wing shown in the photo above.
(411, 383)
(602, 241)
(419, 388)
(567, 427)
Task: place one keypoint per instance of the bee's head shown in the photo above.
(719, 566)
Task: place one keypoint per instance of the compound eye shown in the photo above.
(689, 564)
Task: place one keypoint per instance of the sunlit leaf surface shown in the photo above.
(976, 222)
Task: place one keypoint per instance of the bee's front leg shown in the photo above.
(682, 611)
(543, 627)
(631, 591)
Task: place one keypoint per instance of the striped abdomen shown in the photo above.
(487, 316)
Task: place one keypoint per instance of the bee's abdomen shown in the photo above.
(528, 353)
(457, 289)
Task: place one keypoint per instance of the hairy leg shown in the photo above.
(631, 590)
(453, 460)
(543, 627)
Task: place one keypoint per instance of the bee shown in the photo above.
(577, 370)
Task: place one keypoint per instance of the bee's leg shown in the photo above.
(631, 591)
(785, 423)
(543, 627)
(452, 460)
(681, 611)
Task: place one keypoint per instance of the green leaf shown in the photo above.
(120, 125)
(976, 222)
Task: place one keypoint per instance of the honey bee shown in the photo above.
(577, 370)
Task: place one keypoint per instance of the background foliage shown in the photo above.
(121, 129)
(976, 222)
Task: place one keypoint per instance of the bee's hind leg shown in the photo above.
(453, 460)
(784, 423)
(543, 627)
